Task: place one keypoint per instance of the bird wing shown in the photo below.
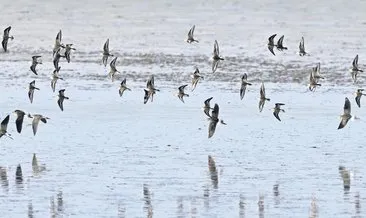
(355, 62)
(4, 123)
(275, 113)
(60, 102)
(35, 124)
(212, 128)
(19, 122)
(347, 107)
(215, 112)
(106, 47)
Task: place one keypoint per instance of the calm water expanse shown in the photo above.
(116, 157)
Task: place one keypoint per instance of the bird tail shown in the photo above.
(268, 99)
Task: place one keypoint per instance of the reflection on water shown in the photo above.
(206, 197)
(30, 210)
(193, 207)
(19, 177)
(60, 203)
(261, 206)
(4, 179)
(180, 207)
(213, 172)
(148, 208)
(121, 211)
(241, 206)
(276, 194)
(357, 204)
(35, 166)
(52, 207)
(314, 210)
(345, 175)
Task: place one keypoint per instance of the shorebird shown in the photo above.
(359, 94)
(244, 84)
(19, 121)
(4, 126)
(113, 69)
(61, 97)
(313, 82)
(214, 119)
(151, 90)
(58, 44)
(196, 76)
(262, 98)
(36, 119)
(277, 109)
(271, 43)
(35, 61)
(346, 114)
(207, 107)
(56, 58)
(6, 38)
(68, 49)
(181, 93)
(106, 53)
(316, 73)
(190, 38)
(216, 57)
(32, 87)
(302, 51)
(354, 70)
(55, 77)
(123, 87)
(280, 46)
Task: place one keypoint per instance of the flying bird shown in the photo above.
(313, 81)
(6, 38)
(271, 43)
(214, 119)
(262, 98)
(354, 70)
(216, 57)
(56, 58)
(61, 97)
(190, 35)
(32, 87)
(207, 107)
(36, 119)
(106, 53)
(181, 93)
(68, 49)
(277, 109)
(58, 45)
(346, 116)
(113, 69)
(35, 61)
(19, 121)
(151, 90)
(4, 126)
(302, 51)
(280, 46)
(244, 83)
(196, 76)
(359, 94)
(123, 87)
(55, 77)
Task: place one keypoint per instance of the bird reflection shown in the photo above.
(147, 197)
(4, 179)
(180, 207)
(121, 211)
(357, 204)
(314, 210)
(19, 177)
(276, 194)
(345, 174)
(213, 171)
(242, 206)
(30, 210)
(261, 206)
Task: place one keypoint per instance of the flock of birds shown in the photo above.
(64, 51)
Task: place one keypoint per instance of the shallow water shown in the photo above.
(101, 150)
